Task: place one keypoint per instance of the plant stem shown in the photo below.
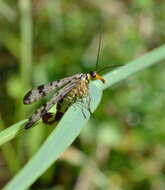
(26, 41)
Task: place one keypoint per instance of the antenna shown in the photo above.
(108, 67)
(98, 51)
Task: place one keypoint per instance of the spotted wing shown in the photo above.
(42, 90)
(45, 108)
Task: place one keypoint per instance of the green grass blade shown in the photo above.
(9, 133)
(7, 11)
(132, 67)
(26, 40)
(62, 136)
(72, 123)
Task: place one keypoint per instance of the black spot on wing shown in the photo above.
(51, 83)
(27, 99)
(28, 124)
(55, 84)
(41, 90)
(44, 110)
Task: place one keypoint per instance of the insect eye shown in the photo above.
(93, 74)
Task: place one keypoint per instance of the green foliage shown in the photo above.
(122, 145)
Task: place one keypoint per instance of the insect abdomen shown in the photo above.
(79, 92)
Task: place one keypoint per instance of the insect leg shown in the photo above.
(81, 103)
(48, 118)
(82, 106)
(89, 102)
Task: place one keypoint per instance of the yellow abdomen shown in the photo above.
(78, 92)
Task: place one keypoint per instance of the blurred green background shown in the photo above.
(122, 147)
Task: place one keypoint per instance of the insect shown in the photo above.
(67, 91)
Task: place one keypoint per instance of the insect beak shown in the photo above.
(100, 78)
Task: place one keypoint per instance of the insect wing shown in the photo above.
(42, 90)
(45, 108)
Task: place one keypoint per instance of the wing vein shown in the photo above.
(42, 90)
(45, 108)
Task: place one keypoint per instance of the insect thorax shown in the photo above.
(80, 91)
